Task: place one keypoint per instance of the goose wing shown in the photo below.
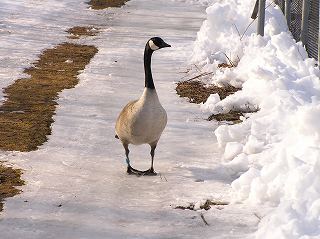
(123, 124)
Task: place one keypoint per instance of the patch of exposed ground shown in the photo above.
(102, 4)
(82, 31)
(26, 115)
(9, 179)
(197, 92)
(232, 116)
(206, 205)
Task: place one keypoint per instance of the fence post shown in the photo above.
(255, 10)
(304, 23)
(261, 17)
(288, 12)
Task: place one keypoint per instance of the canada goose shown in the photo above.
(142, 121)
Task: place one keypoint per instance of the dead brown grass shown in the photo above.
(26, 115)
(232, 116)
(102, 4)
(79, 31)
(225, 65)
(197, 92)
(9, 179)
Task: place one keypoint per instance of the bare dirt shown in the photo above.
(206, 205)
(232, 116)
(102, 4)
(82, 31)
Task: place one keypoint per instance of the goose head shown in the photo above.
(156, 43)
(153, 44)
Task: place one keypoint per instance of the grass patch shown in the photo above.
(9, 179)
(26, 115)
(102, 4)
(197, 92)
(79, 31)
(232, 116)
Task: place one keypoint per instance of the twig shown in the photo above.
(259, 217)
(252, 22)
(203, 219)
(247, 29)
(160, 174)
(197, 67)
(231, 63)
(236, 29)
(185, 72)
(198, 76)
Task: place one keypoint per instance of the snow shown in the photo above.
(267, 167)
(76, 183)
(275, 150)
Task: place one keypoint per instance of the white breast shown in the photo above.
(150, 119)
(146, 120)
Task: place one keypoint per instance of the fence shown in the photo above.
(302, 19)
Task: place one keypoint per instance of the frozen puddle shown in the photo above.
(76, 182)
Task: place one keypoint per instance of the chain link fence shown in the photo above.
(295, 18)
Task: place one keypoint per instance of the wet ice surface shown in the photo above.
(76, 183)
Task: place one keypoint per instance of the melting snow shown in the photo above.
(276, 150)
(76, 182)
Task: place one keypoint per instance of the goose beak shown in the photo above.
(165, 45)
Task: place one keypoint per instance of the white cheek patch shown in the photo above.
(153, 46)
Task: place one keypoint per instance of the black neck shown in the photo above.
(147, 67)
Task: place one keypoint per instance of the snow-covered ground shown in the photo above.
(76, 185)
(76, 182)
(276, 150)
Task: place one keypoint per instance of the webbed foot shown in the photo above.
(149, 172)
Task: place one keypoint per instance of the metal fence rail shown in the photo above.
(303, 22)
(313, 30)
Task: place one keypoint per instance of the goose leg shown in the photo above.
(151, 171)
(153, 148)
(126, 148)
(131, 170)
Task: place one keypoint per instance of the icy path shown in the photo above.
(76, 183)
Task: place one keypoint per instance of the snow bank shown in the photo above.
(276, 149)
